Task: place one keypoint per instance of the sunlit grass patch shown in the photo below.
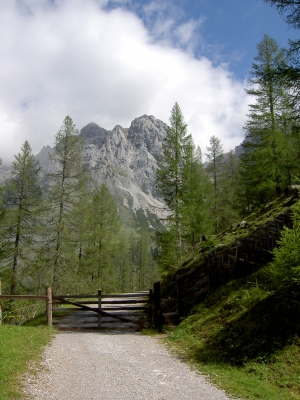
(19, 346)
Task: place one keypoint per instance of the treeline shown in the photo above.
(67, 232)
(205, 199)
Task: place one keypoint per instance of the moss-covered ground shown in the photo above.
(245, 337)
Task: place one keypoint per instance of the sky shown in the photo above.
(110, 61)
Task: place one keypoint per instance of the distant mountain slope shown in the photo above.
(5, 173)
(125, 160)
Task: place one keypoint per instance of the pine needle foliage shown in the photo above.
(21, 196)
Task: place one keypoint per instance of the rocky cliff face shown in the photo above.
(125, 160)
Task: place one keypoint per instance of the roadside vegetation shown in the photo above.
(245, 338)
(245, 335)
(20, 347)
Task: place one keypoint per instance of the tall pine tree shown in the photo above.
(264, 144)
(21, 196)
(215, 159)
(177, 147)
(197, 198)
(63, 192)
(104, 226)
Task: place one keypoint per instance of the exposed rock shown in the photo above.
(239, 150)
(125, 160)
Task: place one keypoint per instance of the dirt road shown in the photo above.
(115, 366)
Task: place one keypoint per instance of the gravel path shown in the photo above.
(115, 366)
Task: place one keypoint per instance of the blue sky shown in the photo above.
(110, 61)
(225, 31)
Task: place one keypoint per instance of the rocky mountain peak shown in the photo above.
(149, 132)
(94, 134)
(125, 160)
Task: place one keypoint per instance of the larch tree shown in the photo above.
(64, 185)
(21, 196)
(176, 149)
(231, 200)
(214, 169)
(290, 73)
(197, 199)
(290, 10)
(104, 226)
(263, 160)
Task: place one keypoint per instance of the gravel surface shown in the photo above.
(115, 366)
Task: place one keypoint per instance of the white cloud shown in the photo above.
(167, 25)
(72, 57)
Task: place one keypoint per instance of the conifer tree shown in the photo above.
(176, 149)
(122, 263)
(215, 158)
(80, 230)
(21, 196)
(263, 160)
(104, 225)
(232, 202)
(63, 192)
(197, 199)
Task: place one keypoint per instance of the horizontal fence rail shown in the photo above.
(105, 311)
(47, 298)
(131, 308)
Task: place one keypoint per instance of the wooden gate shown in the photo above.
(103, 311)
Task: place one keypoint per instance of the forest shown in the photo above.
(206, 198)
(57, 228)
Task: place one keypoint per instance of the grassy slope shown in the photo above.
(231, 235)
(19, 346)
(246, 339)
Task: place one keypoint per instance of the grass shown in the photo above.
(246, 339)
(20, 346)
(256, 220)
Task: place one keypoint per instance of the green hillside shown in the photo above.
(245, 333)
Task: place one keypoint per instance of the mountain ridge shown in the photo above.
(125, 160)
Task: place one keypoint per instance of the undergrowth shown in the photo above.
(245, 337)
(20, 311)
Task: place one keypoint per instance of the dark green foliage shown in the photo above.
(247, 337)
(225, 191)
(285, 269)
(166, 251)
(177, 148)
(215, 168)
(270, 161)
(63, 195)
(196, 199)
(102, 227)
(21, 196)
(185, 187)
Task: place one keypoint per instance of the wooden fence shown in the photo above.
(189, 288)
(132, 308)
(104, 311)
(47, 298)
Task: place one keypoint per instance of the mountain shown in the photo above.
(5, 173)
(125, 160)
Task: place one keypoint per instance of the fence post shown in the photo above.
(179, 298)
(49, 305)
(158, 318)
(0, 304)
(99, 308)
(151, 307)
